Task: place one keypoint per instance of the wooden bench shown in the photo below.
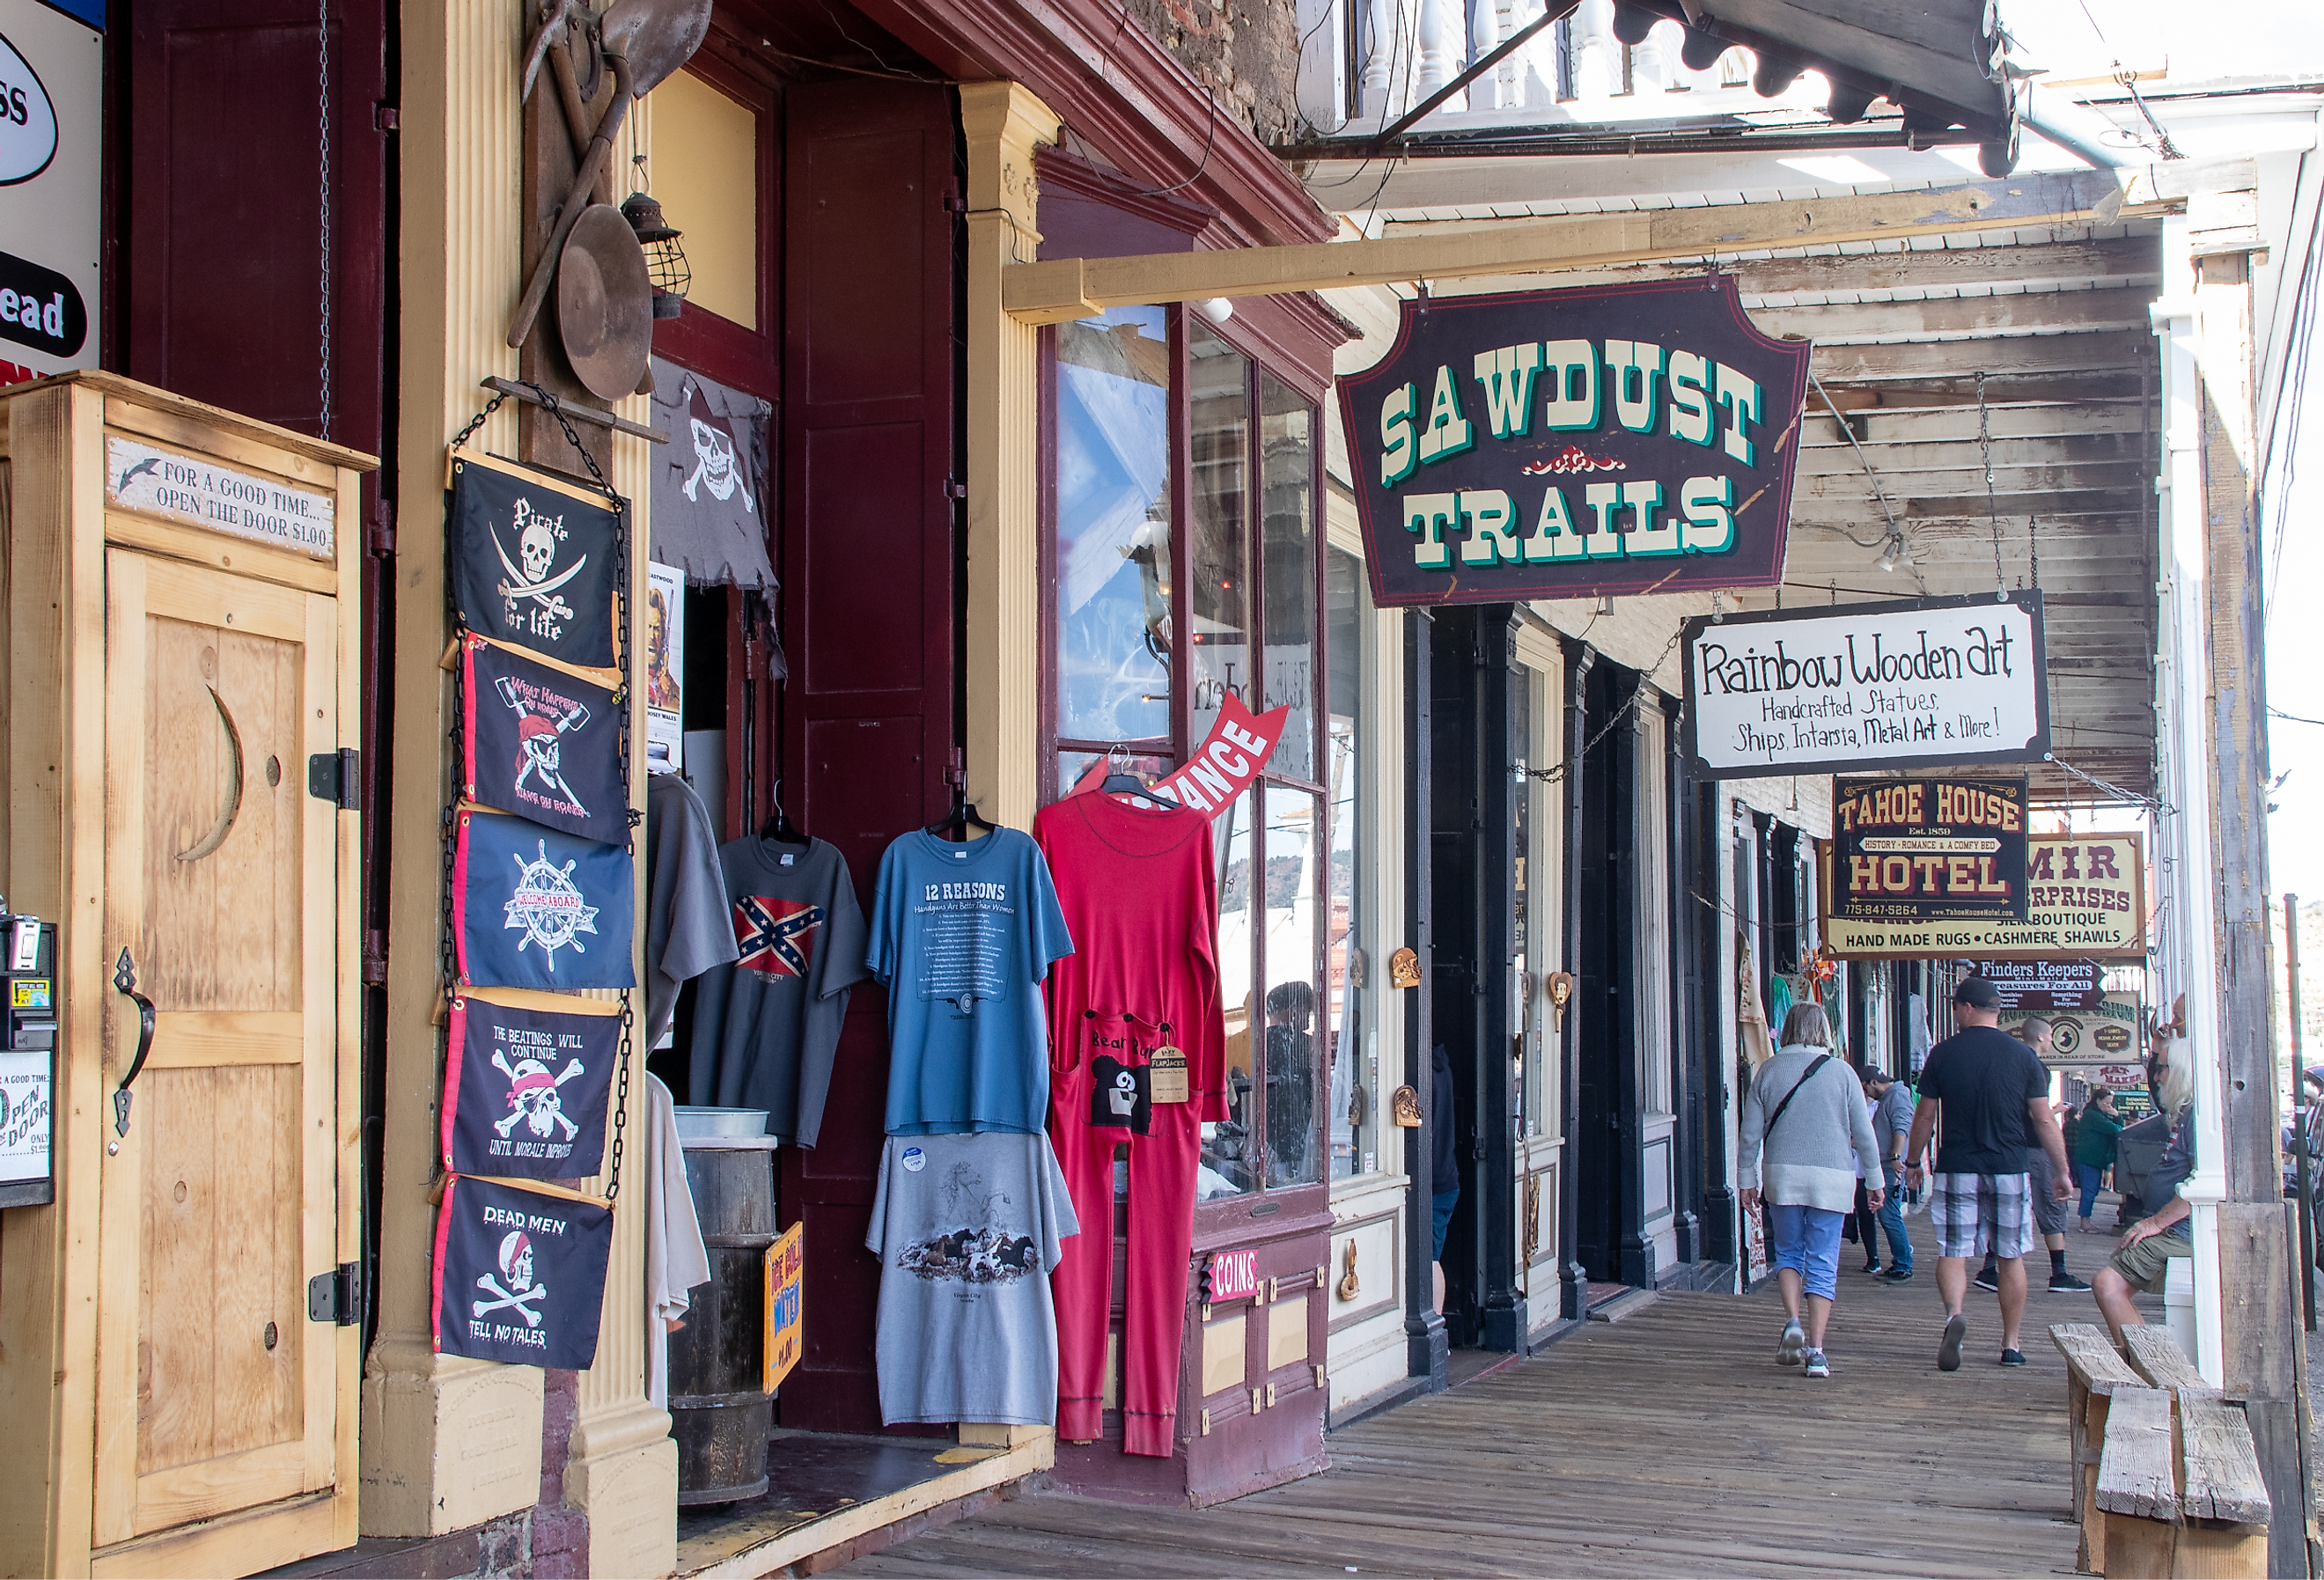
(2156, 1356)
(2095, 1372)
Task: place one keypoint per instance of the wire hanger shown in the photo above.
(779, 827)
(964, 814)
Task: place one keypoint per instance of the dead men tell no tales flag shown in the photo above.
(536, 909)
(534, 564)
(541, 743)
(525, 1090)
(519, 1274)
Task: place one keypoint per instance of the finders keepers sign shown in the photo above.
(1559, 444)
(1921, 683)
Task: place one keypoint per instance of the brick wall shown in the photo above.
(1245, 52)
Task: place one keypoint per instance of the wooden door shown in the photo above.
(215, 1392)
(868, 596)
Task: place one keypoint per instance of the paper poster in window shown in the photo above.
(664, 645)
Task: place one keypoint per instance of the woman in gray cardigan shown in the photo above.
(1804, 1125)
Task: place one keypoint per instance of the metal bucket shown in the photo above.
(719, 1414)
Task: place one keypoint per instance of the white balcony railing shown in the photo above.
(1363, 63)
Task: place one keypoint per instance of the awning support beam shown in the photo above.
(1056, 291)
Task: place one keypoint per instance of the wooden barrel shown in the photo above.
(719, 1414)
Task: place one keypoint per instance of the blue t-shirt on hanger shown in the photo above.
(962, 937)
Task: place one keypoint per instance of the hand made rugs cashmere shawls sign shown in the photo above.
(542, 743)
(534, 562)
(1561, 444)
(525, 1089)
(536, 909)
(519, 1274)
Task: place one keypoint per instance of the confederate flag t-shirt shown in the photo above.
(765, 1028)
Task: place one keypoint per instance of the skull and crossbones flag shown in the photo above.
(519, 1274)
(532, 908)
(542, 743)
(534, 562)
(525, 1089)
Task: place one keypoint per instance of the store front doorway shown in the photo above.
(1604, 846)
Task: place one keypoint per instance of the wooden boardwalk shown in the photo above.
(1669, 1443)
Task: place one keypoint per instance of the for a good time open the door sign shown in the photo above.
(1558, 444)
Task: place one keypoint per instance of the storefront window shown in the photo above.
(1126, 633)
(1229, 1147)
(1354, 1123)
(1294, 822)
(1218, 478)
(1286, 545)
(1113, 615)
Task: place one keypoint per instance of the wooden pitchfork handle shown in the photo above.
(601, 149)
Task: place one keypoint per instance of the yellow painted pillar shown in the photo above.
(1002, 124)
(446, 1442)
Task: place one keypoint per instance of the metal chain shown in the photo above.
(2033, 550)
(323, 136)
(1556, 771)
(1992, 505)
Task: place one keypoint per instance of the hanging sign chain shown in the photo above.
(1992, 506)
(2033, 550)
(323, 136)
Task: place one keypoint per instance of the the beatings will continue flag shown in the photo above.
(525, 1089)
(531, 908)
(519, 1274)
(541, 743)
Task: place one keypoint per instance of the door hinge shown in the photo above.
(955, 488)
(337, 777)
(380, 539)
(374, 957)
(385, 118)
(336, 1296)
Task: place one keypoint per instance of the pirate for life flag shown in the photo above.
(519, 1274)
(534, 562)
(536, 909)
(525, 1087)
(542, 743)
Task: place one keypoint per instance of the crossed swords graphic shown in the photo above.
(521, 1300)
(510, 1123)
(518, 585)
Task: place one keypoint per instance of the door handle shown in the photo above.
(124, 982)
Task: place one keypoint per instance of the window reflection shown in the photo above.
(1229, 1162)
(1294, 847)
(1354, 1083)
(1219, 478)
(1287, 546)
(1113, 526)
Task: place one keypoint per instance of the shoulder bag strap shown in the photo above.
(1806, 1076)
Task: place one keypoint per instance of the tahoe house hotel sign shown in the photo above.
(1558, 444)
(1918, 683)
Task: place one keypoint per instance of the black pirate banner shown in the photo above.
(525, 1089)
(533, 562)
(531, 908)
(541, 743)
(519, 1274)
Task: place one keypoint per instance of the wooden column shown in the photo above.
(2261, 1347)
(1002, 124)
(446, 1442)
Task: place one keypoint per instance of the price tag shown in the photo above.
(1165, 1075)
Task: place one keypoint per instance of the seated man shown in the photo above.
(2143, 1260)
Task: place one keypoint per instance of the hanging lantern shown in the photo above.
(665, 259)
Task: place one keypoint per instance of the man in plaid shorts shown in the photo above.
(1986, 1097)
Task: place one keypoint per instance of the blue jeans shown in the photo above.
(1807, 1241)
(2088, 1174)
(1892, 1218)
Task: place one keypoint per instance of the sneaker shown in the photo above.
(1817, 1366)
(1872, 1267)
(1897, 1275)
(1792, 1345)
(1949, 1347)
(2012, 1357)
(1987, 1279)
(2067, 1284)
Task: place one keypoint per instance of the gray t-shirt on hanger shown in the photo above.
(968, 1229)
(766, 1028)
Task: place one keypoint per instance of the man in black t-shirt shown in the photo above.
(1991, 1096)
